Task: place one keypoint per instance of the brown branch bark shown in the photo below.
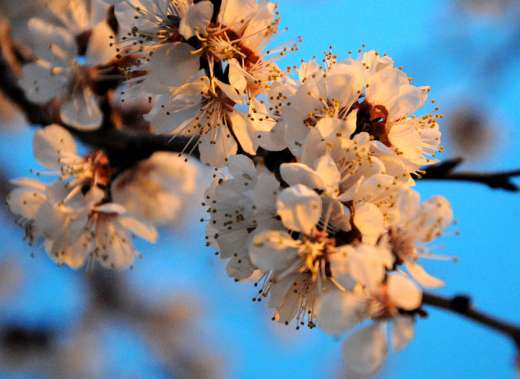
(495, 180)
(462, 306)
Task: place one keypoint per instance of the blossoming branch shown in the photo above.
(313, 196)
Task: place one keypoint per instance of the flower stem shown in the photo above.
(461, 305)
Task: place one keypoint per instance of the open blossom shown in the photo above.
(239, 207)
(155, 189)
(211, 120)
(73, 216)
(70, 61)
(207, 68)
(366, 95)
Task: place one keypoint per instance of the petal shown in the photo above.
(39, 84)
(46, 34)
(299, 207)
(196, 20)
(273, 250)
(299, 173)
(402, 331)
(236, 76)
(367, 266)
(338, 311)
(403, 292)
(370, 222)
(215, 150)
(101, 49)
(171, 65)
(111, 208)
(328, 172)
(82, 111)
(145, 231)
(243, 132)
(241, 166)
(51, 144)
(25, 202)
(366, 350)
(422, 277)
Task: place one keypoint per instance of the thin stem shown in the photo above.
(461, 305)
(495, 180)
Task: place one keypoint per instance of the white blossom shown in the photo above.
(69, 62)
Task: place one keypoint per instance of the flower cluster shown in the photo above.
(333, 231)
(315, 200)
(86, 214)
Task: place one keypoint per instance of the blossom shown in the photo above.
(239, 207)
(417, 224)
(210, 119)
(360, 95)
(74, 216)
(69, 62)
(155, 189)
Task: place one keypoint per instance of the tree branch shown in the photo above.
(495, 180)
(461, 305)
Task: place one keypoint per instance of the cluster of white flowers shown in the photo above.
(323, 217)
(85, 214)
(335, 232)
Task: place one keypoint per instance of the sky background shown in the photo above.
(438, 45)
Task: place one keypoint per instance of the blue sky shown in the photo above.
(419, 36)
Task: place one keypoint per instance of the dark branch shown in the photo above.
(496, 180)
(461, 305)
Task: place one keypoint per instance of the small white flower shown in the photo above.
(68, 63)
(155, 189)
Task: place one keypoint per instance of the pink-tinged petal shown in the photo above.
(196, 20)
(402, 331)
(299, 207)
(141, 229)
(241, 166)
(298, 173)
(161, 75)
(403, 293)
(111, 208)
(366, 350)
(273, 250)
(101, 47)
(422, 277)
(370, 222)
(367, 266)
(25, 202)
(338, 311)
(51, 144)
(39, 84)
(82, 111)
(216, 146)
(243, 132)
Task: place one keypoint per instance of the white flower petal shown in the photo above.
(273, 250)
(366, 350)
(196, 20)
(370, 222)
(215, 151)
(51, 144)
(402, 331)
(422, 277)
(82, 111)
(299, 173)
(338, 311)
(403, 293)
(299, 207)
(145, 231)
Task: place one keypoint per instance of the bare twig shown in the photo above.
(496, 180)
(461, 305)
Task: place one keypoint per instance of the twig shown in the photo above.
(461, 305)
(495, 180)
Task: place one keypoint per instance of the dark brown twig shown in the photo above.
(461, 305)
(496, 180)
